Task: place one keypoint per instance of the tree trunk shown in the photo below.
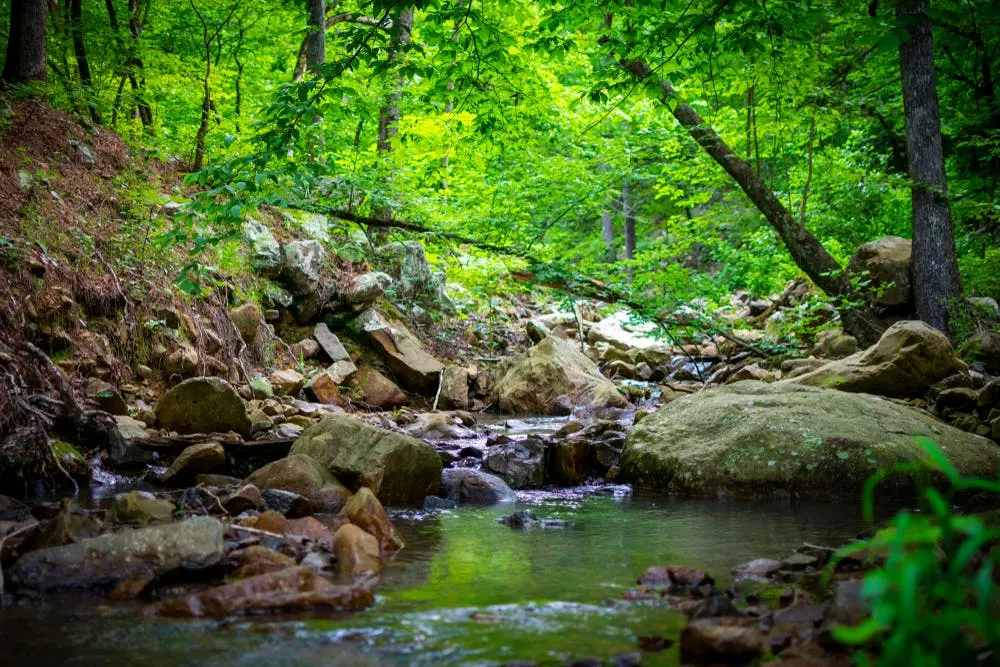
(934, 266)
(388, 115)
(26, 48)
(137, 19)
(316, 37)
(805, 249)
(608, 234)
(130, 62)
(82, 62)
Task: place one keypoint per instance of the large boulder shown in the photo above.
(400, 470)
(402, 352)
(909, 358)
(304, 476)
(413, 279)
(303, 266)
(551, 378)
(111, 559)
(887, 262)
(620, 332)
(465, 486)
(203, 405)
(756, 439)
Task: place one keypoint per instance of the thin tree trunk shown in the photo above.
(130, 63)
(136, 22)
(239, 78)
(608, 234)
(26, 48)
(934, 266)
(316, 37)
(805, 249)
(82, 62)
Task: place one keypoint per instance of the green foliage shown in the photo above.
(934, 601)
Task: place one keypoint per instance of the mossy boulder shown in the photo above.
(399, 470)
(203, 405)
(552, 378)
(908, 358)
(752, 439)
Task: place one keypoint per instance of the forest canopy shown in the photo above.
(553, 129)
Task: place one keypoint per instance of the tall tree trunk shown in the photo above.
(388, 114)
(316, 37)
(805, 249)
(608, 234)
(136, 22)
(130, 62)
(240, 66)
(628, 224)
(26, 48)
(934, 266)
(82, 62)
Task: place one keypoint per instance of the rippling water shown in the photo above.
(466, 590)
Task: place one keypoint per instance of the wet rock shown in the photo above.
(203, 405)
(454, 388)
(887, 262)
(377, 390)
(365, 511)
(754, 439)
(527, 519)
(908, 358)
(303, 475)
(288, 590)
(122, 438)
(550, 377)
(399, 469)
(727, 641)
(799, 561)
(108, 560)
(520, 463)
(307, 527)
(759, 569)
(217, 481)
(473, 487)
(570, 462)
(848, 607)
(285, 502)
(67, 525)
(432, 503)
(402, 352)
(357, 551)
(13, 510)
(439, 426)
(286, 382)
(677, 578)
(255, 560)
(139, 508)
(200, 458)
(246, 498)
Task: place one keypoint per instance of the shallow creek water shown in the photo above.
(464, 590)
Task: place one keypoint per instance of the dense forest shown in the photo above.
(681, 276)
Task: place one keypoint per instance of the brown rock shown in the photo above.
(291, 589)
(255, 560)
(324, 389)
(365, 511)
(307, 527)
(887, 262)
(357, 551)
(200, 458)
(246, 498)
(286, 382)
(247, 318)
(377, 390)
(402, 351)
(301, 474)
(725, 640)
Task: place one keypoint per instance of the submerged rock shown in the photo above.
(108, 560)
(397, 468)
(527, 519)
(439, 426)
(908, 358)
(291, 589)
(466, 486)
(520, 463)
(552, 378)
(756, 439)
(203, 405)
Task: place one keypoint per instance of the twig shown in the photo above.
(437, 395)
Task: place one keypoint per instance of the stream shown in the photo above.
(465, 590)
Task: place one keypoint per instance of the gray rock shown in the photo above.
(520, 463)
(413, 278)
(266, 253)
(364, 289)
(110, 559)
(755, 439)
(466, 486)
(203, 405)
(122, 441)
(303, 266)
(887, 262)
(330, 344)
(399, 469)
